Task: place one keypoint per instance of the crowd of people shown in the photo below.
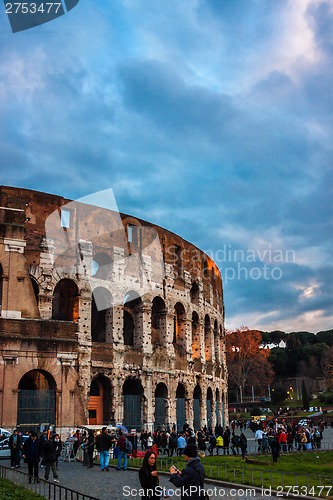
(43, 451)
(272, 436)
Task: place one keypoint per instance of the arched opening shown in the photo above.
(179, 329)
(35, 288)
(100, 401)
(196, 351)
(208, 339)
(209, 408)
(101, 266)
(128, 328)
(216, 342)
(132, 306)
(101, 314)
(158, 322)
(194, 293)
(65, 304)
(197, 397)
(217, 411)
(161, 407)
(36, 401)
(133, 396)
(180, 407)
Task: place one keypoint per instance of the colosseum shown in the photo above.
(105, 318)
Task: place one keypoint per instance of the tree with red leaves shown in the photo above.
(247, 362)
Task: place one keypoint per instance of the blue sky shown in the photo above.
(212, 118)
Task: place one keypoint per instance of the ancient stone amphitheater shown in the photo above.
(105, 318)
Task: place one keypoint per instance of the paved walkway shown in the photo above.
(122, 485)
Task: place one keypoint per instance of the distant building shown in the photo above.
(105, 318)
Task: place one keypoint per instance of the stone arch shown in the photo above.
(195, 293)
(197, 401)
(65, 301)
(196, 340)
(100, 401)
(161, 406)
(133, 403)
(209, 407)
(36, 401)
(179, 329)
(180, 406)
(158, 322)
(101, 313)
(208, 339)
(101, 266)
(132, 306)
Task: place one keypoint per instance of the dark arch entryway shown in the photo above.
(197, 397)
(180, 407)
(133, 395)
(36, 407)
(161, 408)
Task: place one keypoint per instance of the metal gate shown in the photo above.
(209, 413)
(196, 414)
(180, 413)
(218, 420)
(160, 413)
(36, 408)
(132, 411)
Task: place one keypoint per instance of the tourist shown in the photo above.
(31, 453)
(191, 479)
(148, 477)
(103, 444)
(122, 453)
(50, 457)
(15, 445)
(58, 447)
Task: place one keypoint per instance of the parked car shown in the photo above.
(4, 433)
(303, 422)
(4, 448)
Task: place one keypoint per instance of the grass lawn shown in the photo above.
(11, 491)
(303, 472)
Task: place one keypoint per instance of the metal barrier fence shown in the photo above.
(51, 491)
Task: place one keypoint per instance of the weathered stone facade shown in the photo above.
(111, 319)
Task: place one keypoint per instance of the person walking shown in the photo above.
(58, 447)
(148, 477)
(31, 452)
(90, 448)
(50, 457)
(103, 444)
(15, 445)
(122, 453)
(275, 448)
(243, 445)
(191, 479)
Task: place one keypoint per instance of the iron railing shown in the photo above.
(46, 489)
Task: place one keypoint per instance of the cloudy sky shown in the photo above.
(211, 118)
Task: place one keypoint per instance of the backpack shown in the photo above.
(128, 446)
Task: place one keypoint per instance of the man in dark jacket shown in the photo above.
(191, 479)
(15, 445)
(31, 452)
(103, 444)
(50, 457)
